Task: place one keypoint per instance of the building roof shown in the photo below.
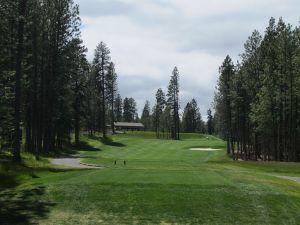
(129, 124)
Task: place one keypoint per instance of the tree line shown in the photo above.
(42, 59)
(257, 107)
(48, 89)
(165, 117)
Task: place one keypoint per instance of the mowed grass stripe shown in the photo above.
(163, 182)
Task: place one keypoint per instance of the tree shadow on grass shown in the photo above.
(108, 141)
(7, 181)
(83, 146)
(93, 137)
(23, 206)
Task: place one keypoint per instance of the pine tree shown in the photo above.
(129, 110)
(111, 83)
(118, 108)
(101, 63)
(257, 106)
(92, 102)
(133, 110)
(192, 121)
(158, 111)
(223, 100)
(173, 103)
(8, 25)
(146, 116)
(60, 29)
(210, 125)
(18, 79)
(79, 84)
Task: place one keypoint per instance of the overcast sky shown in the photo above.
(147, 38)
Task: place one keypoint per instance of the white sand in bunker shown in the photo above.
(206, 149)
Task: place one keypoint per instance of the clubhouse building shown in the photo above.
(129, 126)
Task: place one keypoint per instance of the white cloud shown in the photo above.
(148, 38)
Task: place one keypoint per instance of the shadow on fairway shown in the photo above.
(110, 142)
(83, 146)
(106, 141)
(7, 181)
(23, 206)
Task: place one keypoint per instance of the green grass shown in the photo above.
(163, 182)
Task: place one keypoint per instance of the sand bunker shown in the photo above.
(205, 149)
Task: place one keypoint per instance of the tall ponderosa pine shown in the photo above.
(118, 108)
(192, 120)
(210, 123)
(8, 25)
(101, 64)
(48, 66)
(146, 116)
(129, 110)
(173, 103)
(258, 104)
(18, 79)
(111, 84)
(92, 103)
(60, 26)
(79, 84)
(158, 111)
(224, 101)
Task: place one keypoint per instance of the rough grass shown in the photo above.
(163, 182)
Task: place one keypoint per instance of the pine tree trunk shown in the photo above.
(18, 79)
(103, 103)
(77, 114)
(228, 147)
(77, 131)
(77, 127)
(35, 117)
(112, 111)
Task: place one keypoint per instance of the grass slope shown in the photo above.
(163, 182)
